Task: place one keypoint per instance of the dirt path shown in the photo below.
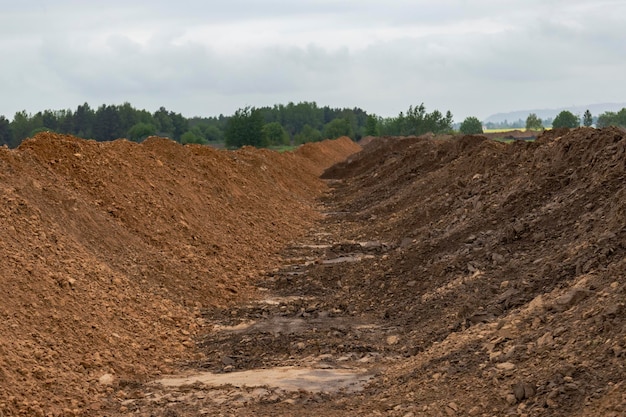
(299, 349)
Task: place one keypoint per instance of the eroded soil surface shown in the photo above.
(111, 251)
(427, 277)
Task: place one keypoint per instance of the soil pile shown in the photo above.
(111, 249)
(508, 273)
(465, 277)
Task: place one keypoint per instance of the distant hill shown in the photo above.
(595, 109)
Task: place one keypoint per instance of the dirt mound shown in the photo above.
(327, 153)
(508, 276)
(111, 249)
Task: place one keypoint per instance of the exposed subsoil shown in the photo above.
(425, 277)
(112, 250)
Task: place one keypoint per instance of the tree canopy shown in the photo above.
(245, 127)
(6, 134)
(587, 118)
(281, 124)
(471, 126)
(612, 119)
(533, 122)
(566, 119)
(417, 121)
(275, 134)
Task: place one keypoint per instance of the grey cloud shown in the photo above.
(382, 56)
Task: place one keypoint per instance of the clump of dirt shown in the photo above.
(111, 249)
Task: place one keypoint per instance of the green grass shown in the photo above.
(283, 148)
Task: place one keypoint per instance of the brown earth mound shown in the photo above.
(509, 274)
(111, 249)
(459, 276)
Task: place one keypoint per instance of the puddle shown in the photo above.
(287, 378)
(289, 325)
(275, 325)
(312, 247)
(336, 213)
(274, 301)
(343, 259)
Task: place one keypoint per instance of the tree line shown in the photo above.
(569, 120)
(278, 125)
(565, 119)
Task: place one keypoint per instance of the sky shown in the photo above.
(205, 58)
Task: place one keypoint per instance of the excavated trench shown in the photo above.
(294, 345)
(447, 278)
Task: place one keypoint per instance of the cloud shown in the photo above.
(212, 57)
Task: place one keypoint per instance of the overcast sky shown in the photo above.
(209, 57)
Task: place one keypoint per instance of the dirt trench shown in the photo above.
(438, 277)
(299, 349)
(448, 277)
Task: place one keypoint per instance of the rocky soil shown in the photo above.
(111, 251)
(421, 277)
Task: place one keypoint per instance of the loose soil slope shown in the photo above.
(508, 274)
(111, 249)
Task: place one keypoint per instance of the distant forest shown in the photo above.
(276, 126)
(280, 125)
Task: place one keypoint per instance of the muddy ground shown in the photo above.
(419, 277)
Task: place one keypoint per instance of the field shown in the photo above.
(506, 130)
(502, 130)
(412, 276)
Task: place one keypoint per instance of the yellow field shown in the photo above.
(507, 130)
(501, 130)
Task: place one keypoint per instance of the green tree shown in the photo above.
(83, 121)
(245, 127)
(180, 125)
(50, 120)
(610, 118)
(337, 128)
(275, 134)
(471, 126)
(20, 126)
(566, 119)
(213, 133)
(140, 131)
(6, 135)
(66, 121)
(307, 134)
(621, 117)
(587, 118)
(129, 116)
(293, 117)
(606, 119)
(371, 126)
(417, 121)
(533, 122)
(191, 137)
(107, 124)
(163, 122)
(39, 130)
